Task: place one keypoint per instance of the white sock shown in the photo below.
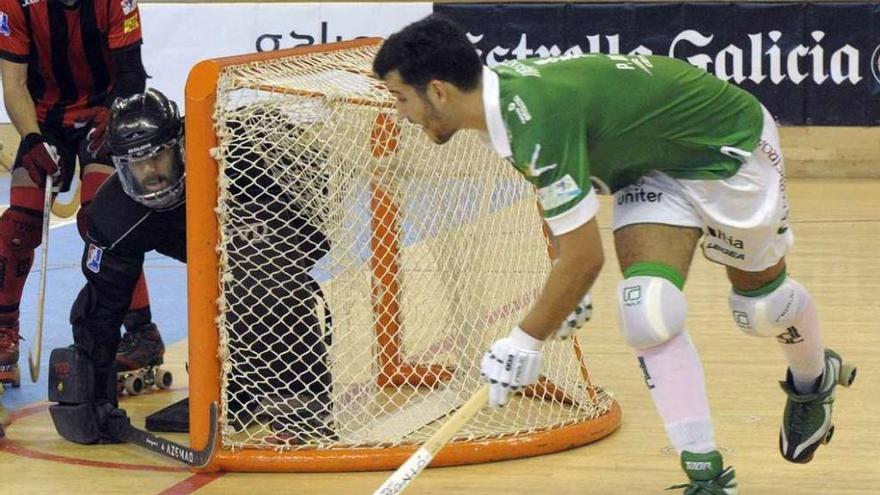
(801, 343)
(675, 379)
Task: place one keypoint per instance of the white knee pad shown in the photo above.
(652, 310)
(765, 316)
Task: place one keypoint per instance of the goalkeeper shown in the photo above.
(686, 156)
(139, 209)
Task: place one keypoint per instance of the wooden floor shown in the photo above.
(837, 224)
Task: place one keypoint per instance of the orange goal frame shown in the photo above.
(203, 293)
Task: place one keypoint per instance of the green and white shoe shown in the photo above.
(707, 475)
(806, 423)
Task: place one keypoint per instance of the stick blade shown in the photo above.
(181, 453)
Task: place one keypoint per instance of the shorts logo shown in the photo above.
(727, 251)
(4, 24)
(634, 195)
(729, 239)
(131, 24)
(128, 6)
(93, 258)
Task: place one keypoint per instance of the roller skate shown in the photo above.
(806, 423)
(9, 371)
(707, 475)
(139, 360)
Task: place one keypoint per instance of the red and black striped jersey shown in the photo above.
(67, 50)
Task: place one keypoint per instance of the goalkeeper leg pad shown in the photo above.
(71, 376)
(77, 417)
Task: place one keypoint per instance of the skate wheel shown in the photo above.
(847, 375)
(164, 379)
(134, 385)
(828, 435)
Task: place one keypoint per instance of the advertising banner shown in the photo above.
(809, 63)
(177, 35)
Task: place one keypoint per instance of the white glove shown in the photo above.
(581, 314)
(512, 363)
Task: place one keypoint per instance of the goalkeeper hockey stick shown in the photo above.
(34, 362)
(417, 462)
(167, 448)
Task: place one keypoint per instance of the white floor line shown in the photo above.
(54, 222)
(63, 222)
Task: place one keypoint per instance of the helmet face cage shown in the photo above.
(132, 179)
(142, 127)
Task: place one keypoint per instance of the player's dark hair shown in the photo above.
(432, 48)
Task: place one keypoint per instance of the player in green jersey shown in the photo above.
(687, 157)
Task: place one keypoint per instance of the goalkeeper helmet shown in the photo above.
(145, 136)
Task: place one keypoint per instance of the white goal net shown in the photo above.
(364, 270)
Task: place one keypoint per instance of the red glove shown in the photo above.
(39, 158)
(97, 136)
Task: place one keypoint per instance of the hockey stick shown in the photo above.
(67, 210)
(417, 462)
(41, 295)
(167, 448)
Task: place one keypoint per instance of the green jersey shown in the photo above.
(610, 119)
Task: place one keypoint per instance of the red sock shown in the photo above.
(91, 182)
(20, 233)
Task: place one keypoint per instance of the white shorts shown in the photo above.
(744, 218)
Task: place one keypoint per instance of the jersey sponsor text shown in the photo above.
(518, 106)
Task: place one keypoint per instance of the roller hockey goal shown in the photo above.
(346, 276)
